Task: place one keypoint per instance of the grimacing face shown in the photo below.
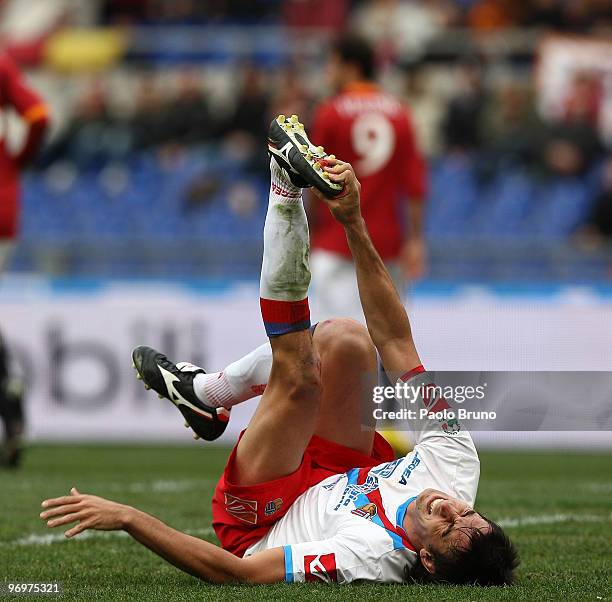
(438, 523)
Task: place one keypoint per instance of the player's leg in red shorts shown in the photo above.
(348, 363)
(309, 425)
(279, 431)
(302, 400)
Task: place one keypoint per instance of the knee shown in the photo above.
(343, 336)
(304, 384)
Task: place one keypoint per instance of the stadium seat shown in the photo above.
(151, 209)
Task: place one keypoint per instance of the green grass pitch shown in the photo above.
(557, 507)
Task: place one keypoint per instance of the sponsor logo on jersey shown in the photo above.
(244, 510)
(321, 567)
(367, 511)
(273, 506)
(408, 470)
(331, 485)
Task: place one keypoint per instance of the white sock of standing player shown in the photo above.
(285, 277)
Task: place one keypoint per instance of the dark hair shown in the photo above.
(357, 51)
(490, 559)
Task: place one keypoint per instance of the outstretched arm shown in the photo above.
(190, 554)
(385, 315)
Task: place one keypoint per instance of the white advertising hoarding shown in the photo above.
(74, 349)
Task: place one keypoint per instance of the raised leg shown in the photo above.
(284, 422)
(274, 442)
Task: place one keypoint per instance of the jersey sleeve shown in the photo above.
(439, 435)
(425, 405)
(413, 165)
(18, 95)
(340, 559)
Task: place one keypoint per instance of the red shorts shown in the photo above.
(242, 515)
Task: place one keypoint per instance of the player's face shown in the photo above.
(440, 522)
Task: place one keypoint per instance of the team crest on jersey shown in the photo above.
(273, 506)
(367, 511)
(244, 510)
(451, 426)
(321, 567)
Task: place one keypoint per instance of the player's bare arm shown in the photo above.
(385, 315)
(190, 554)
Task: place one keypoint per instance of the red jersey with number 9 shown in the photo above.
(372, 131)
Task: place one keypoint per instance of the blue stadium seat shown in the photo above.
(504, 205)
(153, 207)
(453, 198)
(560, 206)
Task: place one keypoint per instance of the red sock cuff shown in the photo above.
(281, 317)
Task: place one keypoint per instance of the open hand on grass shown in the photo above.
(88, 511)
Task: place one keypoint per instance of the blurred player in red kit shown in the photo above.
(371, 130)
(17, 96)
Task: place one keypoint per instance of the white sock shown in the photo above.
(285, 276)
(285, 273)
(241, 380)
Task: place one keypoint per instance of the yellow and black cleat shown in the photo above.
(290, 146)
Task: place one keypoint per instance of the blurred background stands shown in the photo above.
(156, 164)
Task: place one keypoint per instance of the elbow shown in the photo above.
(261, 570)
(217, 575)
(246, 572)
(240, 571)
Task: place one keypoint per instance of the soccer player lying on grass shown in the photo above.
(308, 493)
